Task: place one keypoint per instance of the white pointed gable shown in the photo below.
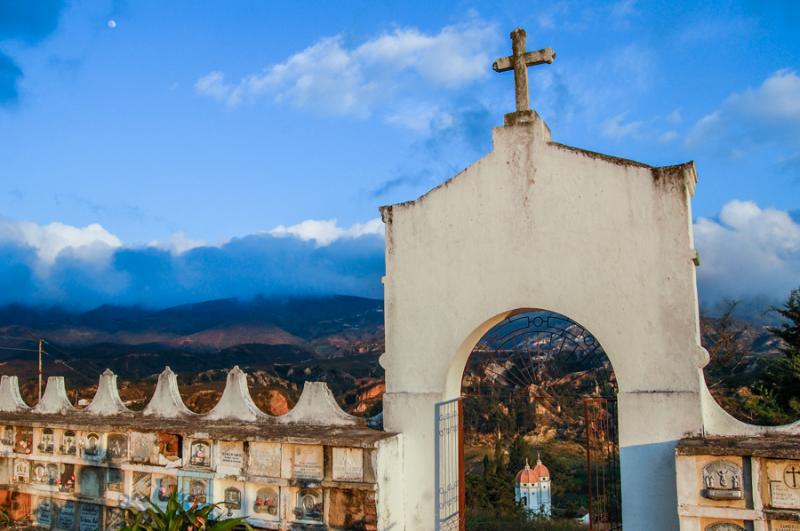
(10, 399)
(236, 402)
(318, 407)
(55, 398)
(167, 401)
(106, 400)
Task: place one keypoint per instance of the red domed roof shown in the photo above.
(533, 475)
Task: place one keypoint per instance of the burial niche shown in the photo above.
(117, 446)
(309, 505)
(66, 481)
(23, 440)
(266, 501)
(91, 481)
(200, 454)
(69, 443)
(48, 441)
(232, 499)
(167, 485)
(116, 480)
(197, 491)
(91, 445)
(537, 384)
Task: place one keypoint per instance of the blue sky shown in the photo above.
(175, 129)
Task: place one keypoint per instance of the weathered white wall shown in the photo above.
(537, 225)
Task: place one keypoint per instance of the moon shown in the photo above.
(112, 23)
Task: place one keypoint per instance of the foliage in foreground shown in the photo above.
(175, 518)
(482, 521)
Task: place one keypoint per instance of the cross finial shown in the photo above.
(519, 61)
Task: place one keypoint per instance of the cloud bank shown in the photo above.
(85, 267)
(747, 253)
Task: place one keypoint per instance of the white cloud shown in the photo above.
(49, 241)
(768, 113)
(332, 78)
(326, 231)
(616, 127)
(749, 252)
(667, 136)
(178, 243)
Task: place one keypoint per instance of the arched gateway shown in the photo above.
(537, 224)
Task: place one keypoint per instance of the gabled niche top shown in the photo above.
(317, 407)
(166, 401)
(54, 400)
(106, 400)
(236, 402)
(10, 398)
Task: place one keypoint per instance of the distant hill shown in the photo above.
(207, 325)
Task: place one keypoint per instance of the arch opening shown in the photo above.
(539, 424)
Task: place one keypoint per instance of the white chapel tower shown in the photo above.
(532, 489)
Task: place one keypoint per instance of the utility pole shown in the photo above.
(40, 368)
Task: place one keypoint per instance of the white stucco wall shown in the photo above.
(537, 225)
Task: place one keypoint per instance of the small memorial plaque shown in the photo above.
(66, 516)
(307, 461)
(784, 484)
(264, 459)
(89, 519)
(348, 464)
(784, 525)
(231, 457)
(722, 480)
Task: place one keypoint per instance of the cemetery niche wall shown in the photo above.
(77, 470)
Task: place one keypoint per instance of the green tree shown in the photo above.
(784, 377)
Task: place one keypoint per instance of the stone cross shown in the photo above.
(519, 61)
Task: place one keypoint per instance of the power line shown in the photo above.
(73, 358)
(21, 349)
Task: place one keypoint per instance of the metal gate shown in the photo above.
(602, 464)
(449, 455)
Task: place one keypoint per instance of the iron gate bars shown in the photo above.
(449, 463)
(602, 464)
